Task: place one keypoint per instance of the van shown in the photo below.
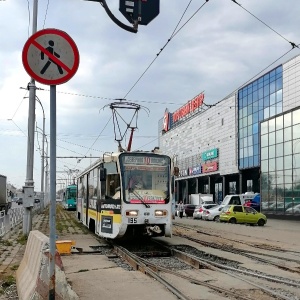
(238, 199)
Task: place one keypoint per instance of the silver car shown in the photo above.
(212, 214)
(199, 209)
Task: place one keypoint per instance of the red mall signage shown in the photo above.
(189, 107)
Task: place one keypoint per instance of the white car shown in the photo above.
(296, 209)
(199, 209)
(212, 214)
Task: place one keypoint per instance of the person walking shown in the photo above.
(181, 209)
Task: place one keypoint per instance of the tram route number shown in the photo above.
(132, 220)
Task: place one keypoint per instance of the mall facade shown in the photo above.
(249, 141)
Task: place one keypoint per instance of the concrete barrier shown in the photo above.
(33, 273)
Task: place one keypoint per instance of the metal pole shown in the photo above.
(52, 190)
(29, 183)
(43, 165)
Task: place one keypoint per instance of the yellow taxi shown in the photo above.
(242, 214)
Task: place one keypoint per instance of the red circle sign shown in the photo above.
(50, 56)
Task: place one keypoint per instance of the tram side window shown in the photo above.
(114, 185)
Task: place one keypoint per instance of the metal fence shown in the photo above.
(14, 218)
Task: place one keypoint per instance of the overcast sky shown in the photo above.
(216, 51)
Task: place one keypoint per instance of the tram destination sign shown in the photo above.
(145, 160)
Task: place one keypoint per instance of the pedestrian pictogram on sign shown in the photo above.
(50, 56)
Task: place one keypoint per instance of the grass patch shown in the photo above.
(8, 281)
(14, 267)
(22, 239)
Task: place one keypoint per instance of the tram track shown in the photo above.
(145, 264)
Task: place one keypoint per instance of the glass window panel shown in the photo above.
(244, 111)
(279, 122)
(254, 86)
(250, 131)
(245, 141)
(255, 128)
(250, 120)
(245, 151)
(250, 151)
(255, 96)
(255, 117)
(272, 151)
(279, 149)
(272, 86)
(261, 104)
(266, 77)
(250, 143)
(245, 124)
(272, 74)
(266, 113)
(255, 160)
(261, 115)
(272, 164)
(249, 88)
(279, 163)
(278, 70)
(288, 174)
(255, 107)
(250, 161)
(255, 139)
(264, 153)
(241, 163)
(264, 140)
(287, 119)
(279, 177)
(279, 83)
(288, 162)
(250, 109)
(296, 116)
(241, 153)
(255, 150)
(296, 131)
(272, 138)
(279, 108)
(240, 94)
(264, 127)
(296, 160)
(279, 136)
(240, 123)
(245, 131)
(272, 111)
(245, 102)
(288, 148)
(279, 96)
(266, 90)
(240, 102)
(296, 146)
(267, 101)
(296, 179)
(271, 125)
(246, 162)
(249, 99)
(272, 99)
(260, 93)
(287, 134)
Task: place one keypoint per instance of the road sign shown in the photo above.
(50, 56)
(149, 9)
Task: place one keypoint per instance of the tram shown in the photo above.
(127, 194)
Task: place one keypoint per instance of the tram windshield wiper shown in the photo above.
(135, 193)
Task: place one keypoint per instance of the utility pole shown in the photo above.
(29, 183)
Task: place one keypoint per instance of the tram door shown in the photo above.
(86, 200)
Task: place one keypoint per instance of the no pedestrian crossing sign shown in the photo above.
(50, 56)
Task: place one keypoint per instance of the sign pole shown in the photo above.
(52, 190)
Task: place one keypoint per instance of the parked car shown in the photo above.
(19, 201)
(37, 200)
(189, 209)
(200, 209)
(254, 203)
(295, 209)
(242, 214)
(212, 214)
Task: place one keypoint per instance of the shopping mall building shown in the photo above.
(249, 141)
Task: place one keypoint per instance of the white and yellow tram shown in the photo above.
(127, 194)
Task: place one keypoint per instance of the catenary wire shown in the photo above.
(240, 5)
(168, 41)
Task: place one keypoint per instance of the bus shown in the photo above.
(70, 197)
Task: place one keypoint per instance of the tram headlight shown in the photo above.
(160, 213)
(132, 213)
